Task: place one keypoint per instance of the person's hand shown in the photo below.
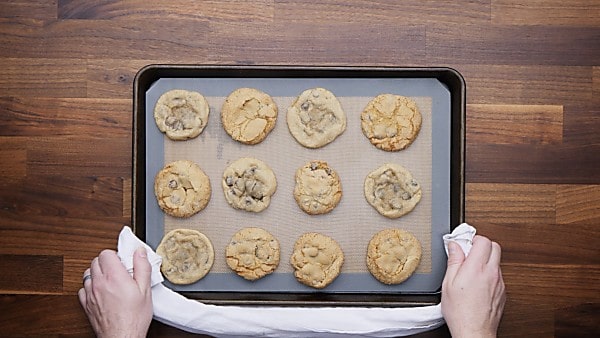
(473, 294)
(116, 304)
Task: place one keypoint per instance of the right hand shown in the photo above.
(473, 292)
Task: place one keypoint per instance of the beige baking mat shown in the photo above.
(352, 223)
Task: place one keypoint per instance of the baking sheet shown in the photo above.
(352, 222)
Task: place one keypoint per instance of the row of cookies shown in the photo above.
(188, 255)
(182, 189)
(315, 118)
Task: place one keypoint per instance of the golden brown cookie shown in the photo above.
(392, 190)
(252, 253)
(318, 188)
(317, 260)
(182, 189)
(181, 114)
(248, 184)
(187, 256)
(391, 122)
(393, 255)
(316, 118)
(248, 115)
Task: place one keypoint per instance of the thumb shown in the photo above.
(141, 268)
(455, 259)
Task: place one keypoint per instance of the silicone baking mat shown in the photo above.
(352, 223)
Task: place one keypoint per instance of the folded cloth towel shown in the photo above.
(193, 316)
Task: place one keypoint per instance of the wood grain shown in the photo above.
(546, 12)
(31, 274)
(515, 124)
(532, 70)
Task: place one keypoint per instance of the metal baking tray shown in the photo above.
(438, 152)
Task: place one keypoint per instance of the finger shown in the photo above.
(480, 252)
(455, 259)
(87, 277)
(95, 268)
(82, 298)
(111, 264)
(141, 268)
(495, 255)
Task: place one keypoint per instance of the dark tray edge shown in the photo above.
(448, 76)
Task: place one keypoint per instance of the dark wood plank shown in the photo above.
(531, 85)
(542, 243)
(578, 321)
(546, 12)
(555, 285)
(521, 163)
(515, 124)
(57, 235)
(513, 45)
(582, 123)
(216, 10)
(80, 156)
(13, 160)
(32, 9)
(511, 203)
(42, 316)
(413, 12)
(182, 40)
(65, 196)
(113, 78)
(31, 274)
(38, 76)
(288, 42)
(576, 204)
(65, 117)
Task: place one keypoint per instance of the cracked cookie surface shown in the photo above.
(248, 115)
(317, 260)
(248, 184)
(181, 114)
(182, 189)
(252, 253)
(187, 256)
(393, 255)
(392, 190)
(316, 118)
(318, 188)
(391, 122)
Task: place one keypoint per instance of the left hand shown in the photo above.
(116, 304)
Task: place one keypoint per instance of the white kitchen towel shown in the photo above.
(271, 321)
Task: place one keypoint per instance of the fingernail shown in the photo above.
(141, 251)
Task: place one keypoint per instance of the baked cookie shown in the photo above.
(181, 114)
(248, 115)
(316, 118)
(393, 255)
(318, 188)
(391, 122)
(182, 189)
(317, 260)
(252, 253)
(248, 184)
(392, 190)
(187, 256)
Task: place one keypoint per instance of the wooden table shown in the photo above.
(533, 131)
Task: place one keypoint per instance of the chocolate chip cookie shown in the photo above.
(391, 122)
(181, 114)
(392, 190)
(316, 118)
(182, 189)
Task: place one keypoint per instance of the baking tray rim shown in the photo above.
(450, 77)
